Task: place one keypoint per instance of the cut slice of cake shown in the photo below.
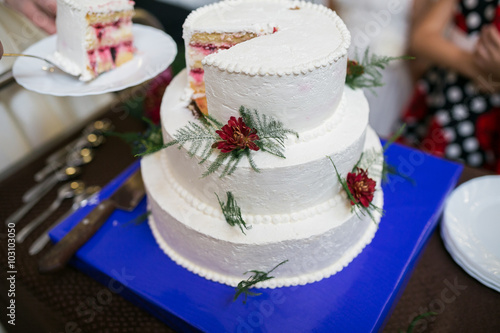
(201, 43)
(94, 36)
(199, 46)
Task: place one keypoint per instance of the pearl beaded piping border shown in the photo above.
(278, 282)
(339, 53)
(251, 219)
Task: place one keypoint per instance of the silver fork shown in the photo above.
(80, 200)
(92, 136)
(75, 158)
(61, 175)
(50, 69)
(66, 191)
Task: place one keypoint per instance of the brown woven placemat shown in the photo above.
(68, 301)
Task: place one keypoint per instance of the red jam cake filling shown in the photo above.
(224, 42)
(197, 74)
(108, 51)
(103, 29)
(207, 49)
(106, 57)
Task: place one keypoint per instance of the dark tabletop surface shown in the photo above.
(70, 301)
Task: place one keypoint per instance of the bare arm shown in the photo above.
(428, 41)
(419, 8)
(487, 53)
(41, 12)
(420, 64)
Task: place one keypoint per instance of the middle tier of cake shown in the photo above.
(304, 180)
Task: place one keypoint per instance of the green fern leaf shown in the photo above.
(368, 73)
(258, 276)
(232, 212)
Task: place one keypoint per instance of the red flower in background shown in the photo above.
(488, 135)
(496, 20)
(435, 141)
(417, 108)
(488, 129)
(361, 187)
(236, 135)
(154, 95)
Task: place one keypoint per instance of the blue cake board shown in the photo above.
(125, 257)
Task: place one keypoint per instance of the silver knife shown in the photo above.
(126, 197)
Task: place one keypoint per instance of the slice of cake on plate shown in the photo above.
(94, 36)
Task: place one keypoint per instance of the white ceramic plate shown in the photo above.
(155, 52)
(469, 267)
(471, 228)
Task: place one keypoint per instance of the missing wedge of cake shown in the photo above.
(288, 206)
(203, 39)
(94, 36)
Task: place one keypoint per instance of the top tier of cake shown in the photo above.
(293, 70)
(100, 6)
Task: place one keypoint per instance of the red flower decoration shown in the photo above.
(236, 135)
(361, 187)
(354, 68)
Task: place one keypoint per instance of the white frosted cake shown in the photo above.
(292, 70)
(93, 36)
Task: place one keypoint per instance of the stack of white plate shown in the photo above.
(471, 229)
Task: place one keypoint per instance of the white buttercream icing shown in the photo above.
(316, 245)
(249, 218)
(295, 206)
(300, 61)
(271, 191)
(99, 6)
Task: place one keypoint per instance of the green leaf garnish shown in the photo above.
(258, 276)
(357, 206)
(203, 135)
(271, 132)
(138, 220)
(148, 142)
(367, 73)
(415, 320)
(232, 212)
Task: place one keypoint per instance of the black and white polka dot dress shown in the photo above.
(447, 115)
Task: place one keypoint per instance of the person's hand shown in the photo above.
(487, 59)
(487, 52)
(40, 12)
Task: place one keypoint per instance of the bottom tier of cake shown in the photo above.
(314, 243)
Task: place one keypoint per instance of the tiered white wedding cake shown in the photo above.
(296, 210)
